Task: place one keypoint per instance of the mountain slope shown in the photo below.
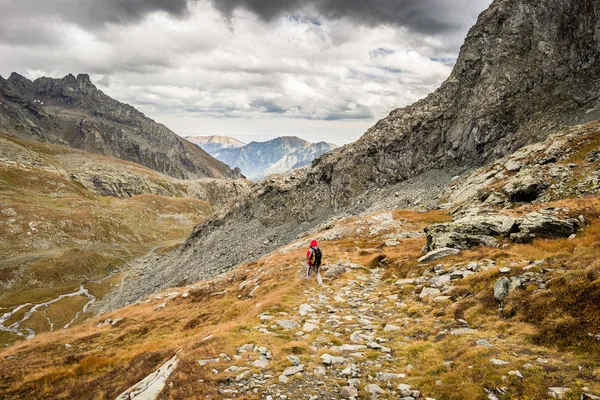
(505, 91)
(214, 143)
(70, 218)
(73, 111)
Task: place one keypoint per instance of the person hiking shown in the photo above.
(313, 259)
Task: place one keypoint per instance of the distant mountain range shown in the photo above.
(259, 159)
(212, 144)
(72, 111)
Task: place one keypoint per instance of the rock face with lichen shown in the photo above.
(72, 111)
(525, 70)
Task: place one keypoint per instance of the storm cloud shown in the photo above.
(423, 16)
(91, 12)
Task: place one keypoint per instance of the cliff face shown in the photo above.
(74, 112)
(524, 70)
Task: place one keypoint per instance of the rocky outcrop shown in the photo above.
(150, 387)
(524, 70)
(72, 111)
(527, 185)
(472, 231)
(537, 173)
(543, 224)
(469, 232)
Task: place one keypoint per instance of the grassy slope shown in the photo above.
(57, 235)
(550, 324)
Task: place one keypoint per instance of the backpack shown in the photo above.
(316, 256)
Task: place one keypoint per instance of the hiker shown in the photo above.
(313, 259)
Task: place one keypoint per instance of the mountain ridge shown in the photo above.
(259, 159)
(72, 111)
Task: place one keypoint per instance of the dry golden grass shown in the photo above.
(551, 324)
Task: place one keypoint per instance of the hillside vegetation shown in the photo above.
(58, 231)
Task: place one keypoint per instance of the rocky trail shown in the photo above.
(361, 331)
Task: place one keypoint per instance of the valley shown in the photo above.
(70, 222)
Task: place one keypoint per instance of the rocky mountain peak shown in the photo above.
(71, 110)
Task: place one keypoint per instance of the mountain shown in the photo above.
(259, 159)
(523, 72)
(212, 144)
(73, 111)
(300, 158)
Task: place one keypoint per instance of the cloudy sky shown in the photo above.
(252, 69)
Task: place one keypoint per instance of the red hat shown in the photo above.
(313, 243)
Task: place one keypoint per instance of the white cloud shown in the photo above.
(204, 74)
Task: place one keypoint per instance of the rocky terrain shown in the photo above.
(508, 321)
(72, 111)
(214, 143)
(461, 240)
(259, 159)
(504, 92)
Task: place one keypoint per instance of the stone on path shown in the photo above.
(289, 371)
(309, 328)
(374, 389)
(306, 309)
(387, 376)
(437, 254)
(429, 292)
(287, 324)
(260, 363)
(328, 359)
(150, 387)
(348, 392)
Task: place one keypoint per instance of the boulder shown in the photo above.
(526, 186)
(501, 288)
(333, 271)
(468, 232)
(558, 392)
(546, 225)
(436, 255)
(348, 392)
